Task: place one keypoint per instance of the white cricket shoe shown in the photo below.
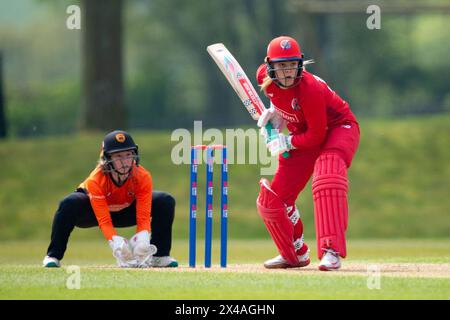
(50, 262)
(281, 263)
(163, 262)
(330, 260)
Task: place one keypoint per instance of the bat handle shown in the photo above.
(273, 134)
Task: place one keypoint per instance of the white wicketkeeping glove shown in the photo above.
(142, 249)
(122, 252)
(280, 144)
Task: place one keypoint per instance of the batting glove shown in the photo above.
(271, 115)
(280, 144)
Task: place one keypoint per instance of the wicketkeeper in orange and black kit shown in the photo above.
(118, 193)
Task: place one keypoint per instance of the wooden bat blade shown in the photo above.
(237, 78)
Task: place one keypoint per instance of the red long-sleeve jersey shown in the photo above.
(309, 108)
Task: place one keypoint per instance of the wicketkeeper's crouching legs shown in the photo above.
(76, 211)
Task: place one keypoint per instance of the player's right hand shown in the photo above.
(280, 144)
(121, 251)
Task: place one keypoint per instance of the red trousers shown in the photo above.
(293, 173)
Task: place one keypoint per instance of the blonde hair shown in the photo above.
(267, 81)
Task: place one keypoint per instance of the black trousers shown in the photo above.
(76, 211)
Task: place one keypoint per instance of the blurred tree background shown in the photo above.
(169, 79)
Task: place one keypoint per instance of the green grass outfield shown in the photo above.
(408, 269)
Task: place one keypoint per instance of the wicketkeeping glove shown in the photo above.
(142, 249)
(122, 252)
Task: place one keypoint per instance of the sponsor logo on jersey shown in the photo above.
(96, 197)
(289, 117)
(118, 207)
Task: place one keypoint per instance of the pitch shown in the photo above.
(375, 269)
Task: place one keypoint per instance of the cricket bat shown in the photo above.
(241, 85)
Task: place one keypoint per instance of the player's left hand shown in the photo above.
(279, 144)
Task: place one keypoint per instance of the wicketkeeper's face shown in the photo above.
(286, 72)
(123, 161)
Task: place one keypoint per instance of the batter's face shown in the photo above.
(286, 72)
(122, 161)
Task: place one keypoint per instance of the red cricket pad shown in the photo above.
(273, 212)
(329, 188)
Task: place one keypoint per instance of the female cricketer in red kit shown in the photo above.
(323, 138)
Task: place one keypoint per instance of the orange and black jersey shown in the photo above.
(107, 198)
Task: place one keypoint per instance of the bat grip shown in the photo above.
(273, 134)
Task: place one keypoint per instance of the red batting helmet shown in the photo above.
(283, 49)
